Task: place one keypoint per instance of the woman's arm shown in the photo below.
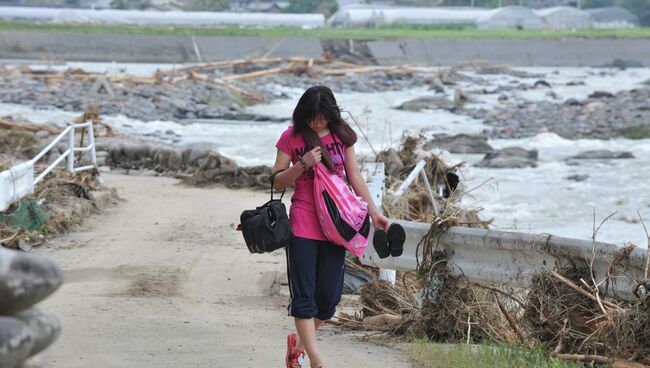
(289, 175)
(286, 177)
(360, 187)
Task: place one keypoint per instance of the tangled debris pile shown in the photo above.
(416, 203)
(563, 311)
(60, 202)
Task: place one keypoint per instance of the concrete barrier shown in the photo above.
(190, 49)
(551, 52)
(72, 46)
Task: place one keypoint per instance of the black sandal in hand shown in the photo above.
(380, 242)
(396, 239)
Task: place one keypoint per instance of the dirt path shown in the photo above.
(162, 280)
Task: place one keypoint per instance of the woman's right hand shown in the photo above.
(313, 157)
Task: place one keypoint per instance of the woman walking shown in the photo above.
(315, 266)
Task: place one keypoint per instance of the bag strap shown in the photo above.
(272, 179)
(342, 156)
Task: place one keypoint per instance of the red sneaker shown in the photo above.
(295, 357)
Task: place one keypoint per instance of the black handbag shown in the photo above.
(267, 227)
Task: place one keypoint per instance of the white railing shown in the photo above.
(374, 174)
(418, 169)
(19, 181)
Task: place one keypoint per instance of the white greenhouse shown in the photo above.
(357, 16)
(613, 17)
(112, 16)
(510, 17)
(564, 17)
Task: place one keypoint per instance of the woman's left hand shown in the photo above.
(379, 221)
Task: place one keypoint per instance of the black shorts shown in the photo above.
(315, 269)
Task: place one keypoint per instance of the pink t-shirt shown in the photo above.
(302, 213)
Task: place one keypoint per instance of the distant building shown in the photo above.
(359, 16)
(165, 5)
(541, 4)
(259, 6)
(96, 4)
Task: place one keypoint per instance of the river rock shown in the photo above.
(16, 342)
(572, 102)
(460, 143)
(216, 163)
(511, 157)
(427, 103)
(45, 328)
(577, 177)
(601, 94)
(598, 155)
(392, 162)
(25, 279)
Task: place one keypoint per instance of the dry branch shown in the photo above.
(582, 291)
(511, 321)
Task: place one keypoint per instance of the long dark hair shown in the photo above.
(319, 100)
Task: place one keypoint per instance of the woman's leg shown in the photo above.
(307, 334)
(302, 264)
(317, 324)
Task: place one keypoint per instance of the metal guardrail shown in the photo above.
(19, 181)
(498, 258)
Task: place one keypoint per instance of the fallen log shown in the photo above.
(231, 63)
(27, 127)
(196, 76)
(257, 74)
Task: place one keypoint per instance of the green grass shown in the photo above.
(639, 131)
(424, 354)
(421, 32)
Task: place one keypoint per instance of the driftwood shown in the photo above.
(27, 127)
(231, 63)
(599, 359)
(196, 76)
(257, 74)
(511, 321)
